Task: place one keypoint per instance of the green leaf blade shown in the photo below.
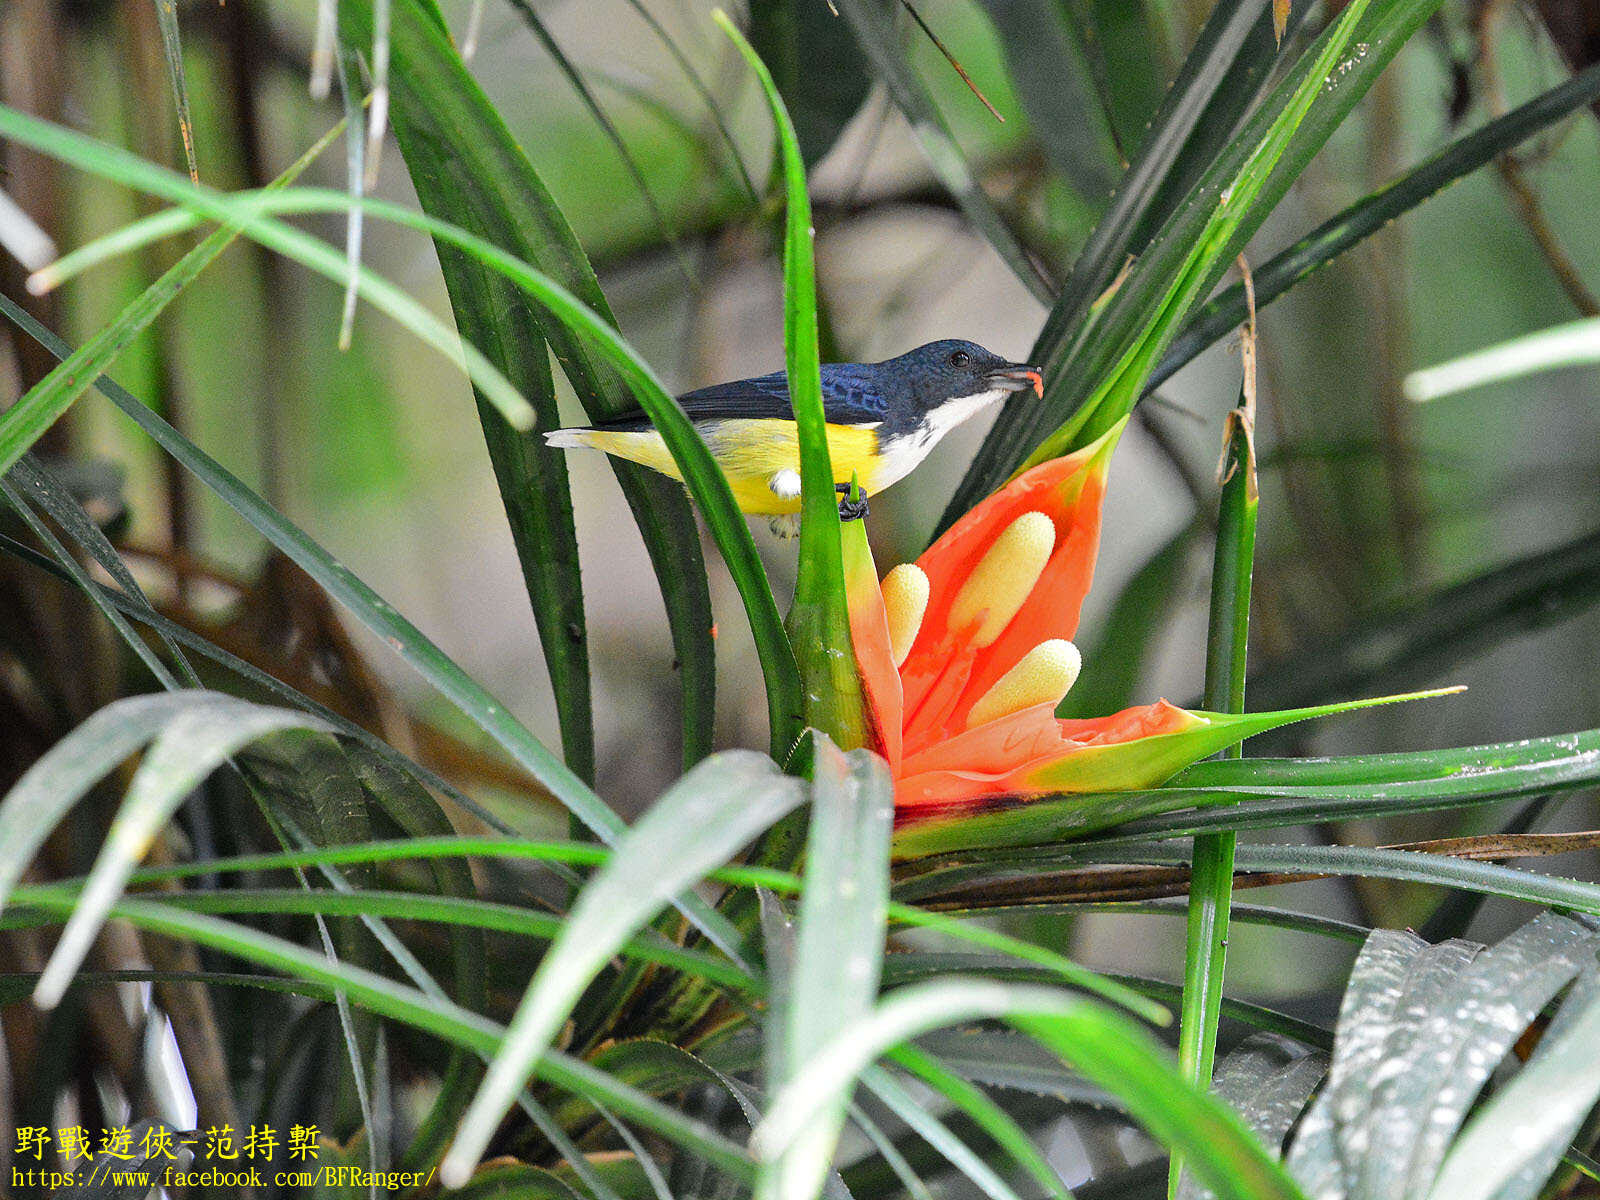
(818, 624)
(873, 26)
(200, 738)
(839, 952)
(1366, 216)
(1227, 642)
(696, 826)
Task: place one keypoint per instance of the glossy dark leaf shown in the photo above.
(1090, 352)
(838, 952)
(1223, 313)
(1050, 73)
(1530, 886)
(1119, 235)
(1426, 637)
(29, 480)
(374, 612)
(1268, 1079)
(1227, 644)
(820, 71)
(818, 624)
(697, 825)
(1125, 40)
(435, 1015)
(992, 1118)
(1420, 1030)
(902, 968)
(172, 51)
(874, 28)
(1197, 244)
(468, 169)
(245, 673)
(1537, 1114)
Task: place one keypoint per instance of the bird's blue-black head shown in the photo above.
(953, 369)
(932, 388)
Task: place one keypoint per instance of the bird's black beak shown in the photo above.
(1014, 377)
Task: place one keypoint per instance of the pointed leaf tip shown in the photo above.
(1103, 447)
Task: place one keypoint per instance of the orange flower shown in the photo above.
(965, 655)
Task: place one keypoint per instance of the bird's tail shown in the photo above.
(643, 446)
(568, 439)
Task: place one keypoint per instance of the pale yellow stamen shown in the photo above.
(905, 600)
(1002, 580)
(1047, 672)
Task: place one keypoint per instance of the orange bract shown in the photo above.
(1000, 583)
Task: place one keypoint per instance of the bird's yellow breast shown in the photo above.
(751, 452)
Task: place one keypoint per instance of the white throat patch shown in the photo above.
(902, 455)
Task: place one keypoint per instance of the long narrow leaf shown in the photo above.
(658, 218)
(26, 421)
(1545, 761)
(381, 617)
(1371, 213)
(1510, 1147)
(1411, 866)
(177, 635)
(839, 950)
(901, 968)
(915, 1114)
(412, 906)
(1183, 263)
(718, 117)
(1049, 68)
(1575, 344)
(172, 51)
(697, 825)
(818, 624)
(469, 167)
(1110, 1051)
(1119, 235)
(994, 1120)
(443, 1019)
(873, 25)
(1227, 641)
(43, 403)
(196, 742)
(1223, 208)
(532, 478)
(1427, 635)
(59, 778)
(27, 474)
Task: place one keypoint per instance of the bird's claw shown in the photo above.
(851, 510)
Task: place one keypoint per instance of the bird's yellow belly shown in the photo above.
(751, 453)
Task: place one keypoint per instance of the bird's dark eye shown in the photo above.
(959, 358)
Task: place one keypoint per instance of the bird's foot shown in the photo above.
(851, 510)
(785, 525)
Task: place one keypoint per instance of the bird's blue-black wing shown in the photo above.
(849, 397)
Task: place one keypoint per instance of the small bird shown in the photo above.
(882, 417)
